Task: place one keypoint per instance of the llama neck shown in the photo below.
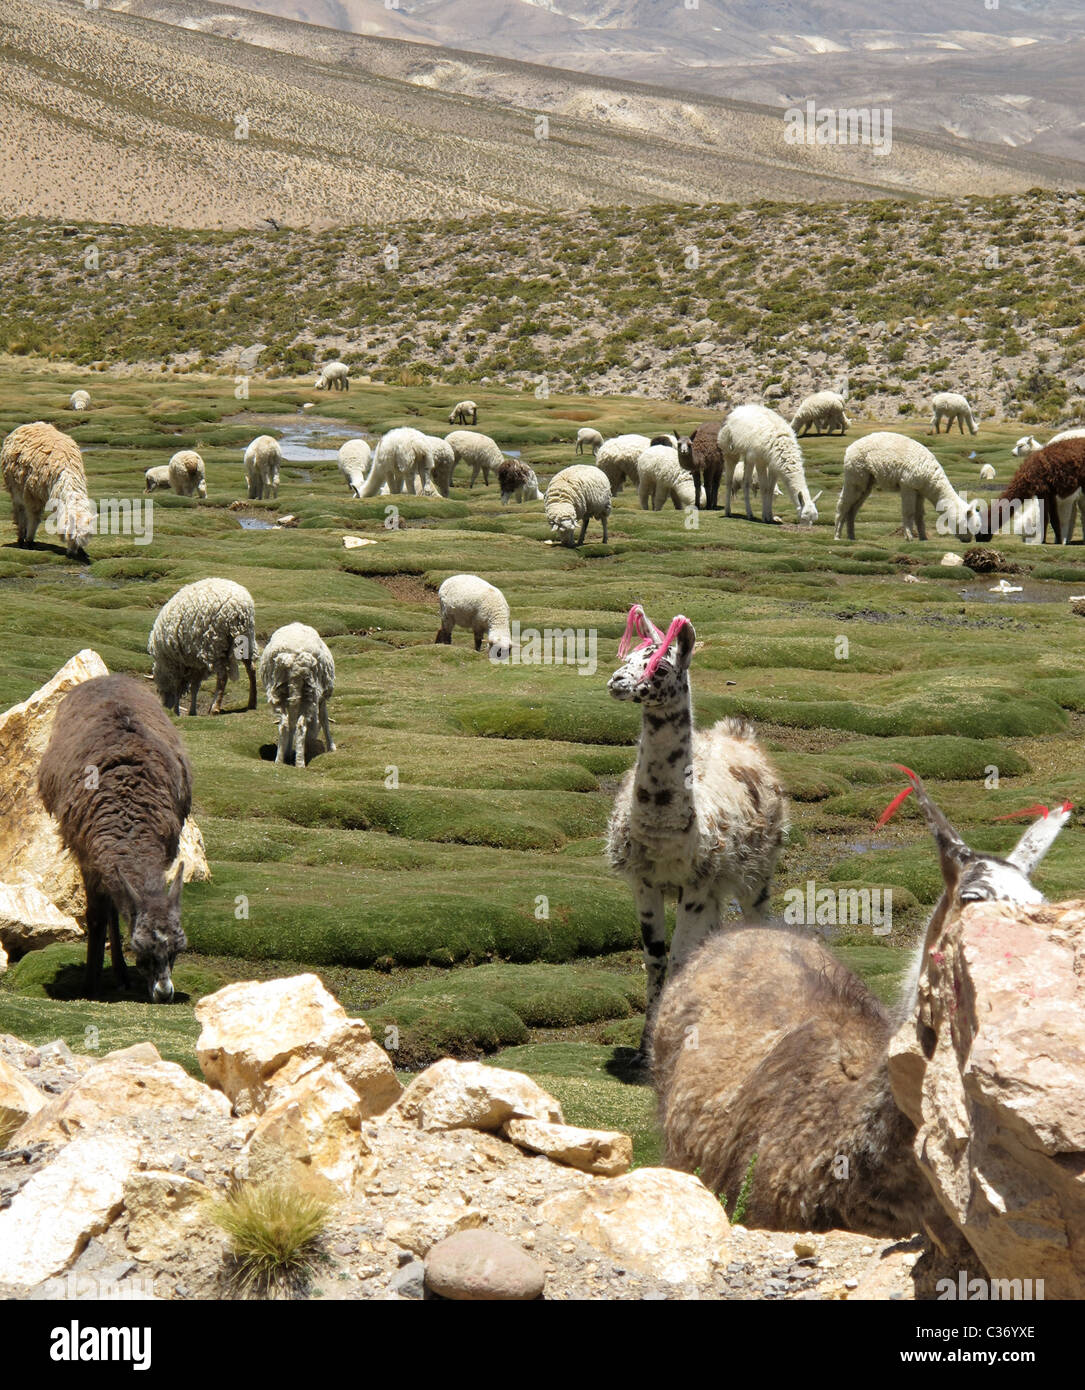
(941, 492)
(663, 798)
(886, 1190)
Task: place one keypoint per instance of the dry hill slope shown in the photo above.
(134, 117)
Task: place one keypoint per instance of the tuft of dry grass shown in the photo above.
(275, 1235)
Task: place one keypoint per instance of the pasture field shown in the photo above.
(443, 870)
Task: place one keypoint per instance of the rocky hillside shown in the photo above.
(706, 305)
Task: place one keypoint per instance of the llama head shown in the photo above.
(685, 450)
(972, 523)
(808, 512)
(1026, 445)
(970, 876)
(655, 671)
(156, 935)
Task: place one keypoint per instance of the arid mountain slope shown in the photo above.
(180, 112)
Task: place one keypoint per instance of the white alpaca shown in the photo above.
(479, 450)
(79, 400)
(263, 459)
(581, 493)
(43, 471)
(205, 627)
(896, 463)
(354, 459)
(188, 474)
(823, 412)
(589, 439)
(464, 413)
(333, 374)
(739, 480)
(765, 441)
(701, 815)
(949, 406)
(297, 672)
(470, 602)
(661, 478)
(401, 461)
(987, 473)
(618, 459)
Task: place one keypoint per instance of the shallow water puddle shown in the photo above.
(255, 523)
(1034, 591)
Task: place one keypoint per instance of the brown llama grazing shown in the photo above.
(701, 815)
(116, 779)
(1050, 473)
(767, 1051)
(699, 453)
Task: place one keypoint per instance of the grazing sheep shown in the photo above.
(440, 461)
(297, 672)
(701, 815)
(263, 459)
(588, 438)
(43, 471)
(464, 413)
(205, 627)
(479, 450)
(580, 492)
(949, 406)
(471, 602)
(987, 472)
(157, 479)
(333, 375)
(188, 474)
(739, 480)
(516, 479)
(402, 462)
(765, 441)
(1055, 474)
(618, 459)
(122, 826)
(896, 463)
(662, 478)
(823, 412)
(354, 460)
(79, 400)
(790, 1063)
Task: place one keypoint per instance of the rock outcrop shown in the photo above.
(468, 1095)
(993, 1077)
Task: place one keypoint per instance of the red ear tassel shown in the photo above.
(1067, 806)
(908, 770)
(1036, 810)
(898, 800)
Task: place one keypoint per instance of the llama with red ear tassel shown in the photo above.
(702, 815)
(765, 1047)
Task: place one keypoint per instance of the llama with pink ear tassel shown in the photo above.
(701, 816)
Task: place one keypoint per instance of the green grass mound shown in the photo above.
(947, 757)
(96, 1028)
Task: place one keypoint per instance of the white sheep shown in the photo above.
(205, 627)
(479, 450)
(517, 480)
(739, 480)
(333, 374)
(1069, 507)
(263, 459)
(157, 479)
(896, 463)
(471, 602)
(662, 477)
(402, 462)
(43, 471)
(618, 459)
(823, 412)
(188, 473)
(79, 400)
(464, 413)
(354, 459)
(297, 672)
(442, 462)
(987, 473)
(588, 438)
(581, 493)
(950, 406)
(765, 441)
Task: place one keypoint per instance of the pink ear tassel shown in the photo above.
(641, 625)
(677, 624)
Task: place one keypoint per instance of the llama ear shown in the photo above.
(952, 850)
(685, 637)
(176, 886)
(1038, 839)
(130, 893)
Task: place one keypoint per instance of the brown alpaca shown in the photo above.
(699, 453)
(116, 779)
(768, 1051)
(1050, 473)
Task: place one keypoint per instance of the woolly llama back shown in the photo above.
(43, 471)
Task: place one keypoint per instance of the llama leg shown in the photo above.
(301, 733)
(767, 484)
(907, 512)
(697, 916)
(329, 742)
(116, 947)
(284, 738)
(920, 522)
(97, 914)
(644, 494)
(653, 935)
(444, 634)
(194, 690)
(747, 479)
(247, 660)
(1051, 504)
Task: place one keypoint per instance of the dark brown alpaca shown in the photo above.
(766, 1046)
(116, 779)
(1050, 473)
(699, 454)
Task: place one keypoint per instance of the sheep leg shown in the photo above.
(478, 638)
(444, 633)
(908, 499)
(605, 530)
(194, 690)
(247, 662)
(644, 495)
(284, 738)
(97, 910)
(583, 530)
(476, 469)
(301, 733)
(653, 934)
(220, 691)
(329, 742)
(116, 948)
